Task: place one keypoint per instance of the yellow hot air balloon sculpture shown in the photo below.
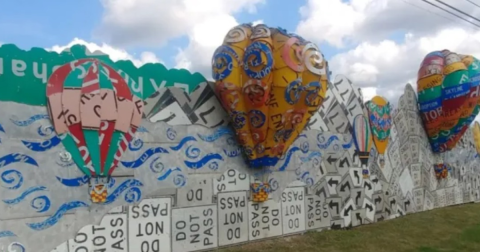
(476, 136)
(270, 82)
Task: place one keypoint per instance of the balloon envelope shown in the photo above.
(447, 89)
(380, 122)
(362, 137)
(90, 106)
(270, 82)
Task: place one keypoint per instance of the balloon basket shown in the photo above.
(98, 188)
(441, 171)
(259, 192)
(365, 173)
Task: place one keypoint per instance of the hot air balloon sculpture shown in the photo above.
(362, 138)
(441, 170)
(380, 123)
(476, 137)
(94, 112)
(448, 96)
(270, 82)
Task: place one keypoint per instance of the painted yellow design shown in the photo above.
(271, 83)
(99, 194)
(260, 192)
(476, 136)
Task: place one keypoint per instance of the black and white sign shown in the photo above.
(110, 235)
(293, 210)
(149, 225)
(198, 192)
(230, 181)
(265, 220)
(232, 218)
(194, 228)
(318, 215)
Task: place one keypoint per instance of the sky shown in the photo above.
(378, 44)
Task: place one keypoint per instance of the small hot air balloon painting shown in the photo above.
(380, 123)
(448, 96)
(91, 108)
(362, 138)
(476, 137)
(441, 170)
(270, 82)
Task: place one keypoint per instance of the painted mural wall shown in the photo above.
(182, 184)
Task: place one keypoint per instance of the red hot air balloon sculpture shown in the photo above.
(95, 114)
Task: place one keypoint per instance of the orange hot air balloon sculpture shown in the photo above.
(270, 82)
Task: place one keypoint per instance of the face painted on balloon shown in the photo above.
(222, 62)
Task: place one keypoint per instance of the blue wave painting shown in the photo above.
(52, 220)
(145, 156)
(202, 162)
(183, 142)
(220, 132)
(30, 120)
(310, 156)
(41, 204)
(7, 233)
(17, 158)
(74, 182)
(326, 144)
(289, 156)
(348, 145)
(125, 185)
(167, 173)
(42, 146)
(24, 195)
(10, 177)
(16, 245)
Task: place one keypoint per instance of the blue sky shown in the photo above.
(60, 22)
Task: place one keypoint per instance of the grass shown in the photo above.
(450, 229)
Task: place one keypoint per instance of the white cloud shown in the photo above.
(339, 22)
(114, 53)
(153, 23)
(376, 63)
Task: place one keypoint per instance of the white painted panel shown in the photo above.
(265, 219)
(231, 180)
(232, 218)
(194, 228)
(198, 192)
(149, 225)
(293, 210)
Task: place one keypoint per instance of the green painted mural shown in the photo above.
(30, 70)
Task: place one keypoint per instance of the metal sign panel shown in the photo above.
(231, 180)
(194, 228)
(198, 192)
(232, 218)
(293, 210)
(265, 220)
(149, 225)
